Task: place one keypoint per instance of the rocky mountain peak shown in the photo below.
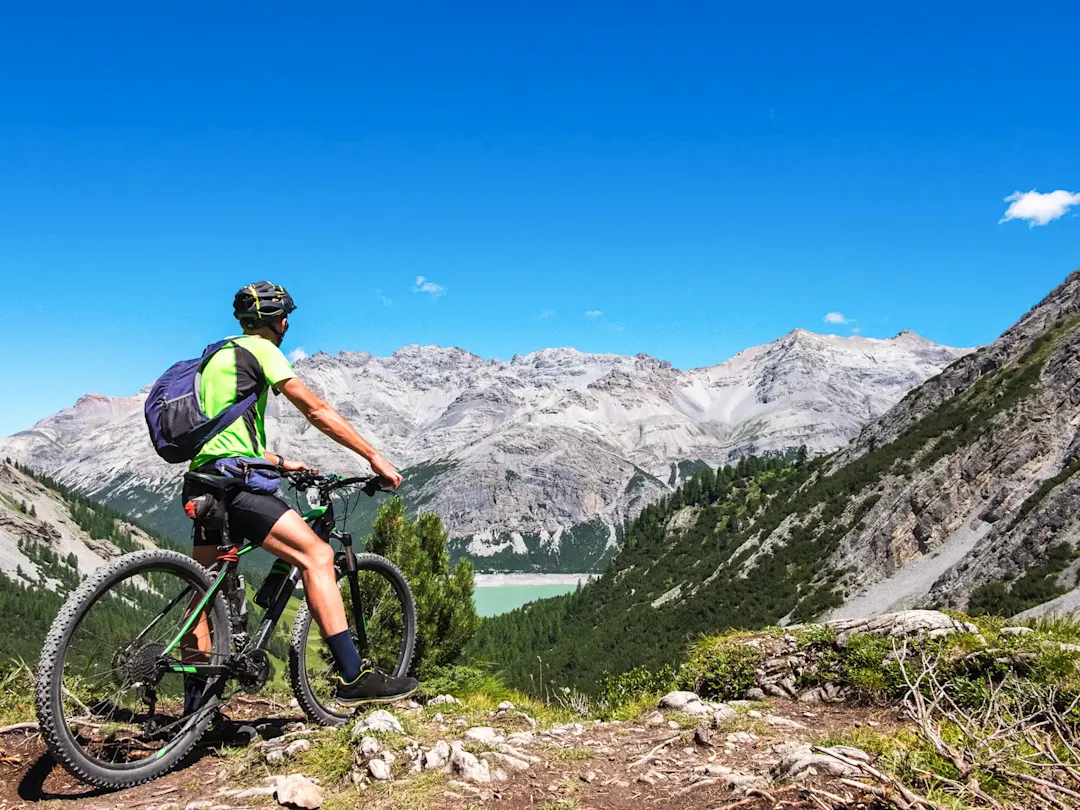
(533, 447)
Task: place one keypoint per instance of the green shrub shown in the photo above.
(461, 681)
(815, 636)
(1037, 585)
(619, 690)
(16, 692)
(720, 667)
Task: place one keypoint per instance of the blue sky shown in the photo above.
(708, 176)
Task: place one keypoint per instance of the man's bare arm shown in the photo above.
(320, 414)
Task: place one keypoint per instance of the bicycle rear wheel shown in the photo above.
(389, 620)
(110, 695)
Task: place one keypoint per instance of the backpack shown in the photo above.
(178, 427)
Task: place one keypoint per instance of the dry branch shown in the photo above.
(19, 727)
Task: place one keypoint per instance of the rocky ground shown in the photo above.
(828, 724)
(686, 753)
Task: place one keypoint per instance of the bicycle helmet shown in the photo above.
(262, 302)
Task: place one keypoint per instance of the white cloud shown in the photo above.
(1039, 209)
(297, 354)
(837, 317)
(423, 285)
(547, 313)
(593, 313)
(383, 299)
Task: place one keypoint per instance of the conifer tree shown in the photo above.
(445, 613)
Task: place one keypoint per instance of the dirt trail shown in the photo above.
(571, 767)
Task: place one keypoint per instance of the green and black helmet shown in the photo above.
(262, 302)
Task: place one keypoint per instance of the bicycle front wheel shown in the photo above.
(388, 622)
(110, 683)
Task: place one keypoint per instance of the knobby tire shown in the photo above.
(49, 699)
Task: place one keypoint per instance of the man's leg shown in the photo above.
(293, 541)
(289, 538)
(196, 645)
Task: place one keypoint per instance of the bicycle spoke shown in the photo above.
(115, 669)
(384, 625)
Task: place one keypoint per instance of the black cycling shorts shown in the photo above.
(251, 517)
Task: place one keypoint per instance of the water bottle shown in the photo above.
(238, 604)
(268, 591)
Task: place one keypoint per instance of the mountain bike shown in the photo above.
(111, 678)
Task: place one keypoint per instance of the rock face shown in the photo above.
(992, 489)
(533, 462)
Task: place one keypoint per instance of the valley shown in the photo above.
(961, 496)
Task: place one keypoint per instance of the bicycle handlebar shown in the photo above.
(305, 479)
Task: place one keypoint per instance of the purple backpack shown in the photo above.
(178, 426)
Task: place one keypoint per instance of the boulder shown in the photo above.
(901, 624)
(796, 758)
(484, 734)
(438, 756)
(379, 770)
(740, 738)
(782, 722)
(378, 721)
(521, 738)
(370, 747)
(722, 712)
(512, 762)
(297, 747)
(678, 701)
(742, 782)
(296, 790)
(467, 766)
(444, 700)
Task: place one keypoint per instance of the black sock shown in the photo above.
(345, 655)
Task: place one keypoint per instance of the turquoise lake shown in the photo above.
(495, 594)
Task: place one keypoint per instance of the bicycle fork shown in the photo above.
(350, 568)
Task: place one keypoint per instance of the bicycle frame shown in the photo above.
(345, 562)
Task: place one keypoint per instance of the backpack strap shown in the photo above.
(214, 425)
(211, 350)
(251, 364)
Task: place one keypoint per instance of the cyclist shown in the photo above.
(254, 361)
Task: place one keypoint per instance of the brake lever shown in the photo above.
(302, 479)
(373, 486)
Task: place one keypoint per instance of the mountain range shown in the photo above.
(534, 463)
(963, 495)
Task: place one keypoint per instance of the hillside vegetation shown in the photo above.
(31, 595)
(770, 541)
(685, 568)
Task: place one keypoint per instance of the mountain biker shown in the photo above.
(254, 361)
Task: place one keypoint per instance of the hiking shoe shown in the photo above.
(374, 686)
